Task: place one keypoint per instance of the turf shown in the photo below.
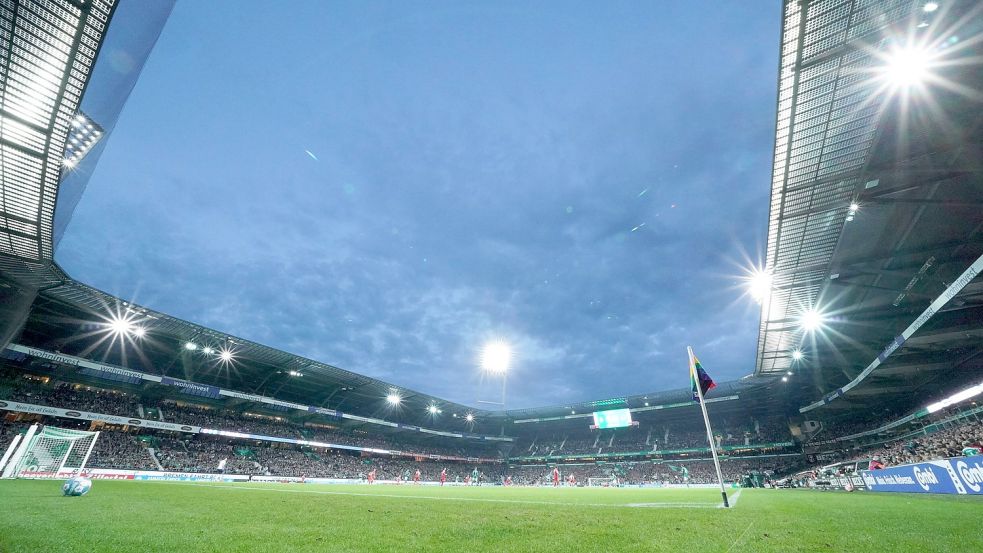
(156, 516)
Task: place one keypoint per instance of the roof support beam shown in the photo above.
(964, 279)
(925, 201)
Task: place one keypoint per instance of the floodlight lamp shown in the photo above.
(432, 409)
(907, 66)
(139, 331)
(646, 404)
(930, 7)
(208, 351)
(759, 285)
(797, 354)
(120, 326)
(190, 346)
(393, 398)
(225, 355)
(811, 320)
(495, 357)
(784, 379)
(469, 417)
(854, 207)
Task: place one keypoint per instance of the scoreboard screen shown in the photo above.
(615, 418)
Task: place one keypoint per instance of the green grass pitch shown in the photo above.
(119, 517)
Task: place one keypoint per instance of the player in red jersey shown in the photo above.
(508, 480)
(467, 480)
(416, 476)
(443, 476)
(571, 480)
(556, 477)
(371, 476)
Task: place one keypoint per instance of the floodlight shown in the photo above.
(469, 417)
(930, 7)
(495, 357)
(854, 206)
(784, 379)
(295, 373)
(208, 351)
(789, 373)
(393, 398)
(139, 331)
(646, 404)
(956, 398)
(432, 409)
(226, 355)
(759, 285)
(80, 140)
(120, 326)
(190, 346)
(907, 66)
(797, 354)
(811, 320)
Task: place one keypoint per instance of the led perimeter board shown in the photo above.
(615, 418)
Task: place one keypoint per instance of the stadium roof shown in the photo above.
(48, 53)
(876, 198)
(909, 160)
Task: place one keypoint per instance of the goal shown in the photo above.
(49, 452)
(603, 482)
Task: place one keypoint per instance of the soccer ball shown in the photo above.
(76, 486)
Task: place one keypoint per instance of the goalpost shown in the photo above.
(48, 452)
(603, 482)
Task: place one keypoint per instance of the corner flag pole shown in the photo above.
(706, 419)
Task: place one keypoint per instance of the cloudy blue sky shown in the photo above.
(387, 186)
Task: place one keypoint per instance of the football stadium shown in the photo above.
(855, 425)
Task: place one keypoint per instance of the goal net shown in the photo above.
(50, 452)
(603, 482)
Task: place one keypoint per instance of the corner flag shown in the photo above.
(698, 375)
(702, 383)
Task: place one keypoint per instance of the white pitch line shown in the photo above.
(741, 537)
(732, 500)
(667, 505)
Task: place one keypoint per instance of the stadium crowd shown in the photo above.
(642, 473)
(654, 438)
(948, 442)
(118, 449)
(85, 398)
(69, 396)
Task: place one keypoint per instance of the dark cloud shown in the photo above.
(477, 172)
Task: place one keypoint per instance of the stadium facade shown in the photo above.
(875, 237)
